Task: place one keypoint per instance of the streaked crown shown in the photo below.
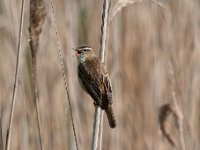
(83, 48)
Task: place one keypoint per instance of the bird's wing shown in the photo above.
(91, 82)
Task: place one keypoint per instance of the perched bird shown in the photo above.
(94, 79)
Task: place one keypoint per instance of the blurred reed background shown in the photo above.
(147, 40)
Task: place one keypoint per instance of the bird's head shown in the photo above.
(83, 53)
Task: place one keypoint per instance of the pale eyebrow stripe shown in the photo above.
(88, 48)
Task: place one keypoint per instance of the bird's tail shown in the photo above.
(111, 117)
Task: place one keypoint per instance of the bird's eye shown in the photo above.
(84, 50)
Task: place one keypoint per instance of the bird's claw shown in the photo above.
(96, 104)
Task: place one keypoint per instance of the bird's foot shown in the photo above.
(96, 104)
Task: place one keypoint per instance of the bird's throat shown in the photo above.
(81, 58)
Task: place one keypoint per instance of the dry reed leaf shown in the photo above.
(119, 5)
(123, 3)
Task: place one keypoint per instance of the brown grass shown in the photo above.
(143, 40)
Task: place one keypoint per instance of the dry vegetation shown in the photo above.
(153, 56)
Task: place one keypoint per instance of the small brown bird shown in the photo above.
(94, 79)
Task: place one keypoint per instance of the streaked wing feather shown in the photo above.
(91, 83)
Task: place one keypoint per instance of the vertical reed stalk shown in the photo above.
(97, 116)
(62, 64)
(9, 131)
(1, 137)
(101, 130)
(37, 17)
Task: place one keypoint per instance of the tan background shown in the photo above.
(144, 40)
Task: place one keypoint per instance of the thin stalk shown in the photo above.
(96, 127)
(37, 17)
(101, 130)
(97, 116)
(38, 119)
(35, 97)
(104, 26)
(9, 131)
(1, 137)
(61, 59)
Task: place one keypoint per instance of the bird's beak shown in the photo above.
(77, 52)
